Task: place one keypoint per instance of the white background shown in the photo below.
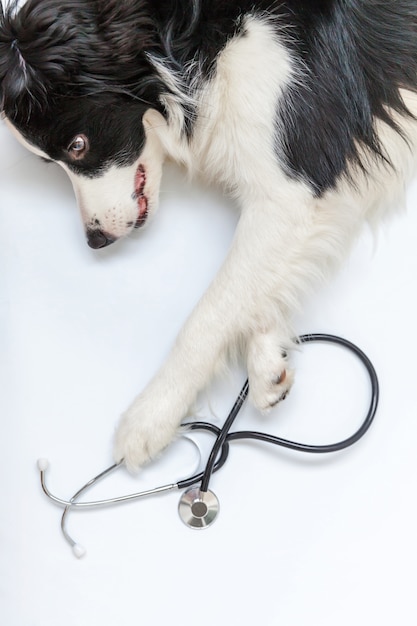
(299, 540)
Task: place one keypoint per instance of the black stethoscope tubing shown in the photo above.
(220, 449)
(198, 507)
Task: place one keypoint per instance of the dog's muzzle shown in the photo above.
(98, 239)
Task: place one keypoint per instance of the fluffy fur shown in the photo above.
(302, 110)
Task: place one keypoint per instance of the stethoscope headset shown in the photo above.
(198, 506)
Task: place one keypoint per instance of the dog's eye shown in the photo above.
(78, 147)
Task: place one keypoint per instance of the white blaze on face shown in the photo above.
(108, 202)
(122, 197)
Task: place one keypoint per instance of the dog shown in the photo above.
(303, 111)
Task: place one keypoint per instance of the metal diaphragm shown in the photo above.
(198, 509)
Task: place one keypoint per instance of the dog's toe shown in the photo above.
(270, 378)
(143, 432)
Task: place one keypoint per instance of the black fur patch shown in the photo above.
(72, 66)
(354, 56)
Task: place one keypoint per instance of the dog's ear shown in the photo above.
(42, 46)
(57, 47)
(17, 78)
(26, 53)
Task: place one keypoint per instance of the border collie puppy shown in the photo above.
(304, 111)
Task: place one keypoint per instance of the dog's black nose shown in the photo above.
(98, 239)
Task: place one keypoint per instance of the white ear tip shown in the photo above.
(78, 550)
(43, 464)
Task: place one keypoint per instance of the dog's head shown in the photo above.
(77, 88)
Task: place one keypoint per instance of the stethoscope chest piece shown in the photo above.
(198, 509)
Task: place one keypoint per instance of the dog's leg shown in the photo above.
(275, 257)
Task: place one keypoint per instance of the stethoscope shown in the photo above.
(198, 506)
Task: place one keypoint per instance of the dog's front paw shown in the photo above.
(270, 378)
(146, 428)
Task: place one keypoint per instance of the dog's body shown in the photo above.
(302, 110)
